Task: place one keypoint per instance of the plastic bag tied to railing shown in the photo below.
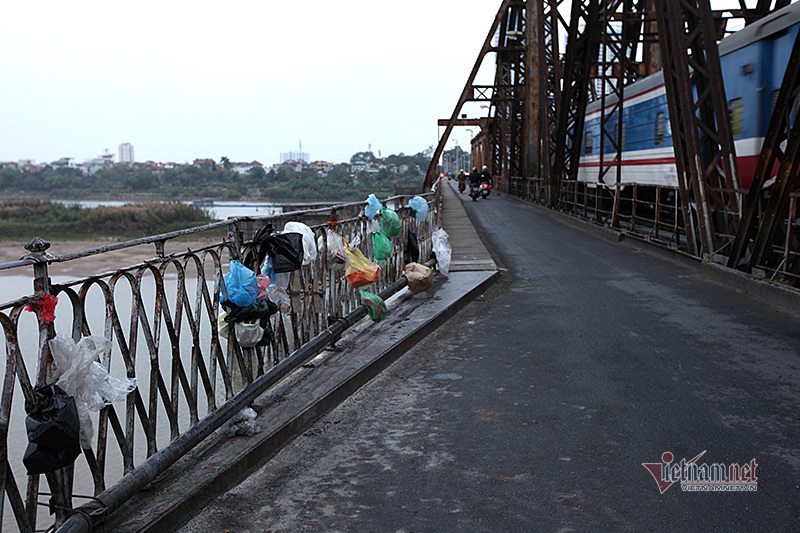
(169, 356)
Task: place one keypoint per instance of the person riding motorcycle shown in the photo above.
(486, 176)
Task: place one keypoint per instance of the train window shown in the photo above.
(589, 143)
(661, 122)
(736, 110)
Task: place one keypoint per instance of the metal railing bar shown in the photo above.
(134, 481)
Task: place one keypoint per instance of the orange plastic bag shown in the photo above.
(360, 271)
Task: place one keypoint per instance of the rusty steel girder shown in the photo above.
(708, 175)
(582, 48)
(766, 221)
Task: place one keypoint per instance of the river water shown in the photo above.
(15, 286)
(218, 211)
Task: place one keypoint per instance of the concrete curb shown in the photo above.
(219, 466)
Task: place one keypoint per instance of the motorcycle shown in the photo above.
(462, 184)
(479, 191)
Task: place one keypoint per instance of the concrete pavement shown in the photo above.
(536, 406)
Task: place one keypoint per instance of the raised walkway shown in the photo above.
(286, 411)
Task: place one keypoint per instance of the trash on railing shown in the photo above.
(420, 207)
(337, 257)
(243, 424)
(412, 248)
(381, 246)
(376, 307)
(372, 207)
(44, 307)
(263, 282)
(53, 430)
(78, 371)
(360, 272)
(442, 250)
(420, 277)
(309, 250)
(390, 222)
(241, 286)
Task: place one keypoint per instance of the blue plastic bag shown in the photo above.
(241, 285)
(372, 207)
(420, 207)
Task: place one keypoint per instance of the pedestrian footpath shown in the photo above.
(219, 464)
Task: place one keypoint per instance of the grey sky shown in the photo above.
(246, 79)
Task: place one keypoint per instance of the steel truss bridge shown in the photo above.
(530, 136)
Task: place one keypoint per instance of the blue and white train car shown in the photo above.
(753, 62)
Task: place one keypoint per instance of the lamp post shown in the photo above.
(470, 147)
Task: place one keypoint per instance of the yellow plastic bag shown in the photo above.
(360, 271)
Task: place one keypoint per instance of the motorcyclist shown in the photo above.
(486, 176)
(474, 177)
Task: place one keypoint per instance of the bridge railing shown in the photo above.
(162, 318)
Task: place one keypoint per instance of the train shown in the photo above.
(753, 62)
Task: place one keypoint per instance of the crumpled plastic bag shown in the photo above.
(376, 307)
(44, 307)
(263, 282)
(78, 372)
(248, 334)
(420, 277)
(243, 424)
(420, 207)
(390, 222)
(442, 250)
(337, 257)
(381, 246)
(360, 271)
(309, 250)
(287, 251)
(372, 207)
(53, 430)
(241, 286)
(412, 248)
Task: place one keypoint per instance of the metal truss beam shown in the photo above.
(465, 93)
(766, 220)
(583, 43)
(708, 176)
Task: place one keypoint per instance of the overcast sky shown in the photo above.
(244, 79)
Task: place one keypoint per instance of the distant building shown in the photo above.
(209, 163)
(64, 162)
(302, 157)
(126, 154)
(244, 168)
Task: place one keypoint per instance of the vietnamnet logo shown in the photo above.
(695, 477)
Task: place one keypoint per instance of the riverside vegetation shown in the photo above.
(24, 219)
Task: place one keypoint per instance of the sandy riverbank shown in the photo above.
(95, 264)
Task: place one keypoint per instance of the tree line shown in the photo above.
(190, 182)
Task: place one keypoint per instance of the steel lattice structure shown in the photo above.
(537, 106)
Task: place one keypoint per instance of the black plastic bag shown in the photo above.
(412, 248)
(258, 310)
(286, 251)
(53, 430)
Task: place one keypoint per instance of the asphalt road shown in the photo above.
(534, 408)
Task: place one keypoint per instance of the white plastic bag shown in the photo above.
(337, 258)
(248, 334)
(441, 247)
(80, 375)
(309, 250)
(243, 424)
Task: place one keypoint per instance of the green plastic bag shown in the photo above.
(390, 222)
(381, 246)
(376, 307)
